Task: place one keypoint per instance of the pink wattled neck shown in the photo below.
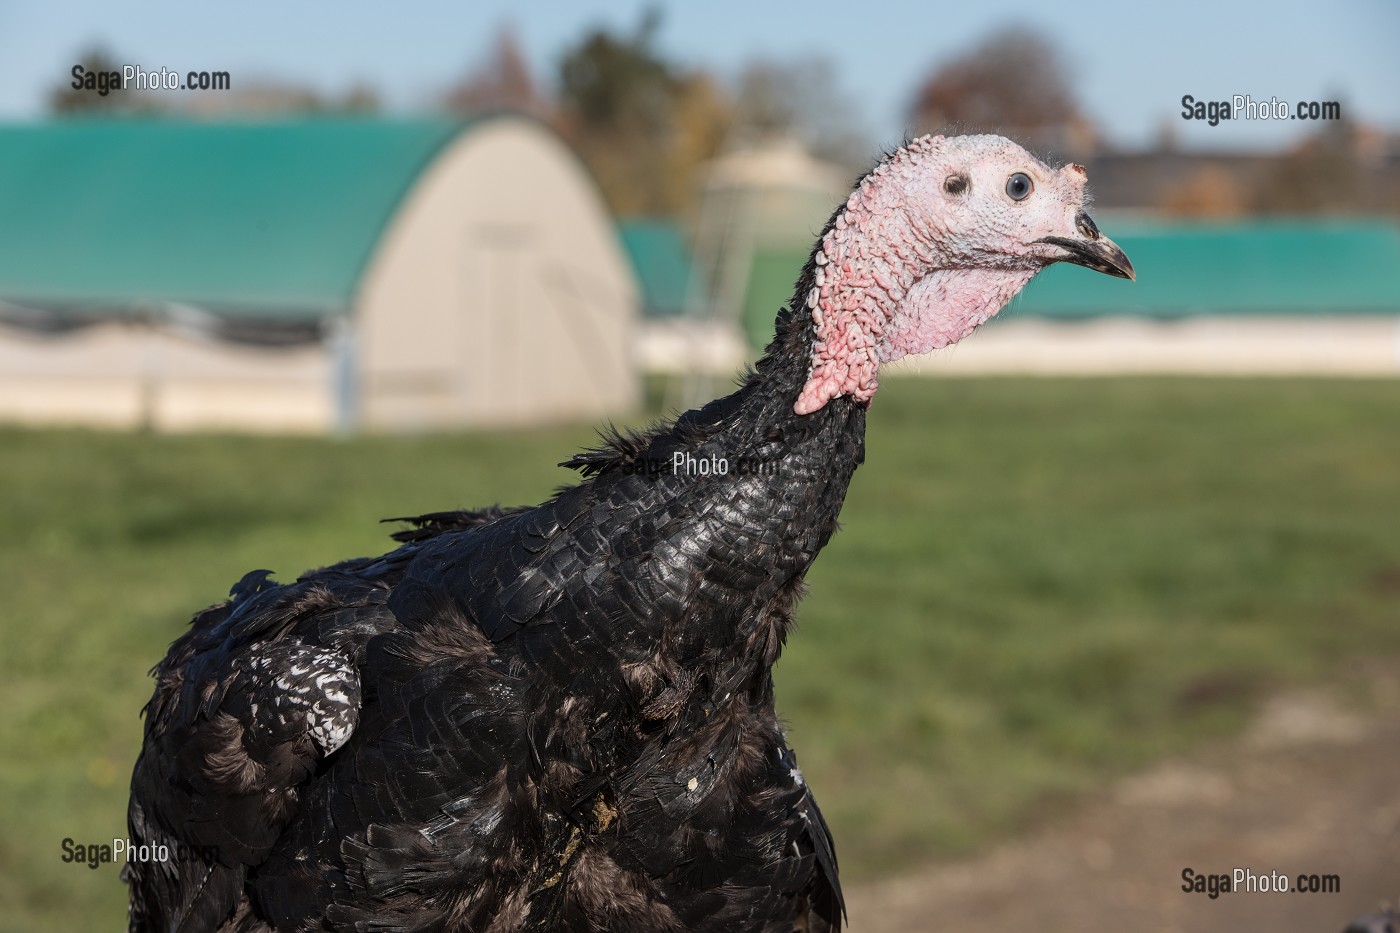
(886, 287)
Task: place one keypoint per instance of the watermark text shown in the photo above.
(134, 77)
(1247, 881)
(96, 854)
(1245, 107)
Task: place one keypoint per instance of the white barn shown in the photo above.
(308, 276)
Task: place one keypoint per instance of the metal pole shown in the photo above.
(340, 341)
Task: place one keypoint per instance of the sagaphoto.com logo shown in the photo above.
(103, 81)
(1245, 107)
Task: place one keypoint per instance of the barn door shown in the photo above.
(498, 356)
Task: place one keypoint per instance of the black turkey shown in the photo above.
(561, 718)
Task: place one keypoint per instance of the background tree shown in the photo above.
(1327, 173)
(802, 99)
(1015, 84)
(702, 119)
(1210, 192)
(643, 125)
(65, 99)
(503, 82)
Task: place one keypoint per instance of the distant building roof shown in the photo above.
(253, 220)
(1144, 180)
(1298, 267)
(1152, 179)
(780, 162)
(662, 261)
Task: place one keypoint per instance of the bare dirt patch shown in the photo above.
(1312, 787)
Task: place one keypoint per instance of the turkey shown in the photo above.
(561, 718)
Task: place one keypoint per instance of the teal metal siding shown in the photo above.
(1300, 267)
(662, 262)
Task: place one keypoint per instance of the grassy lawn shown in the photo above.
(1040, 584)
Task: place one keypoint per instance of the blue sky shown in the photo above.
(1131, 63)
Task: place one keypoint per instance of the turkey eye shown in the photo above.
(1019, 186)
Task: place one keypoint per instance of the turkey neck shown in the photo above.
(759, 489)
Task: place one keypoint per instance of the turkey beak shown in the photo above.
(1092, 250)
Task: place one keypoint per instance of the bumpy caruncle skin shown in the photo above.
(928, 247)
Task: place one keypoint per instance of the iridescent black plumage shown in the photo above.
(565, 713)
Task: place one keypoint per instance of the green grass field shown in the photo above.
(1040, 584)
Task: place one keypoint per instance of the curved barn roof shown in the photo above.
(270, 220)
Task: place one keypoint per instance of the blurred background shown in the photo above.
(1118, 590)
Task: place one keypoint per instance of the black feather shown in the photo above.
(554, 718)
